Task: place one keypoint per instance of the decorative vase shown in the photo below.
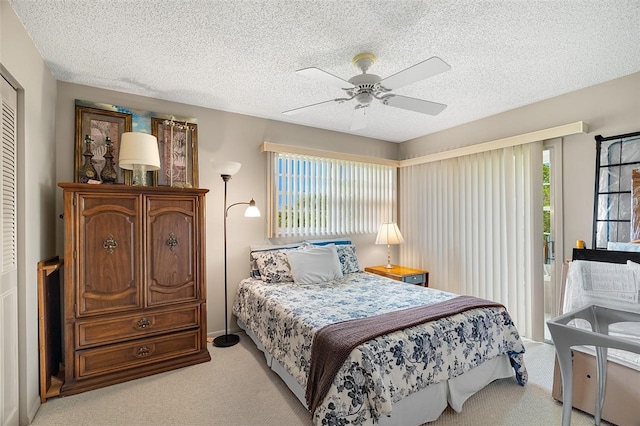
(108, 173)
(87, 172)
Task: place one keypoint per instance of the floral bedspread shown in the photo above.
(285, 317)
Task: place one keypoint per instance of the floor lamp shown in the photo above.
(227, 169)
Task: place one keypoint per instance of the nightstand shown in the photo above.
(401, 273)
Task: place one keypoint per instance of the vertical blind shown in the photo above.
(475, 225)
(316, 196)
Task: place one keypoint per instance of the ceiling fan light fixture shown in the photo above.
(364, 98)
(364, 61)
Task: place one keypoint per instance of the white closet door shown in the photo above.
(8, 261)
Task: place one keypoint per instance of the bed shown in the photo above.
(405, 376)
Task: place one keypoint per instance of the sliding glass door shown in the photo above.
(552, 226)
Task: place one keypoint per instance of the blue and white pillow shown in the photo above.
(273, 266)
(259, 252)
(348, 259)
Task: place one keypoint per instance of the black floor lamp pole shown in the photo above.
(226, 339)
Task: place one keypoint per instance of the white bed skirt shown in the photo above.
(419, 407)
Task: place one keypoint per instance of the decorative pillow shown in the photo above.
(315, 264)
(255, 271)
(348, 259)
(273, 265)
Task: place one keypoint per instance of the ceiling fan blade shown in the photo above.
(317, 74)
(413, 104)
(303, 108)
(359, 119)
(424, 69)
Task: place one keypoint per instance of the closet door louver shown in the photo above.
(8, 188)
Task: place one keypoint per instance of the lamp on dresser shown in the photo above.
(139, 152)
(389, 234)
(226, 170)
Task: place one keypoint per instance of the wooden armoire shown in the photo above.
(134, 282)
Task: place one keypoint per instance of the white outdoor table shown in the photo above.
(565, 336)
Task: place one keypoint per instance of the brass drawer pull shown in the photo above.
(143, 323)
(172, 242)
(109, 244)
(142, 352)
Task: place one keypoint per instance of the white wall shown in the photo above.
(22, 64)
(609, 109)
(221, 136)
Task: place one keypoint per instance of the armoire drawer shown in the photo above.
(126, 327)
(113, 358)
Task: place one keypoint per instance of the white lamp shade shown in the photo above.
(252, 210)
(138, 149)
(389, 234)
(229, 168)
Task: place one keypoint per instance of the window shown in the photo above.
(315, 196)
(616, 157)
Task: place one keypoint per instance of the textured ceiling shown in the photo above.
(241, 55)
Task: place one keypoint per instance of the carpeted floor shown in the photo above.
(237, 389)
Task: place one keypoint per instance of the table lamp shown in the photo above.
(389, 234)
(139, 152)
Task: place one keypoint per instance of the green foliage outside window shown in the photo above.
(546, 199)
(292, 217)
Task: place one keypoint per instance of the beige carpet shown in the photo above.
(237, 388)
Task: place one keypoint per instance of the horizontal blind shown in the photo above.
(473, 223)
(316, 196)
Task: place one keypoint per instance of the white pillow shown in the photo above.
(315, 264)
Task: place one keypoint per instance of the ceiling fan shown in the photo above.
(364, 88)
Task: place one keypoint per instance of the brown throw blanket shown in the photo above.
(333, 343)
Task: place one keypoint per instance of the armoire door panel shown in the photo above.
(108, 253)
(172, 246)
